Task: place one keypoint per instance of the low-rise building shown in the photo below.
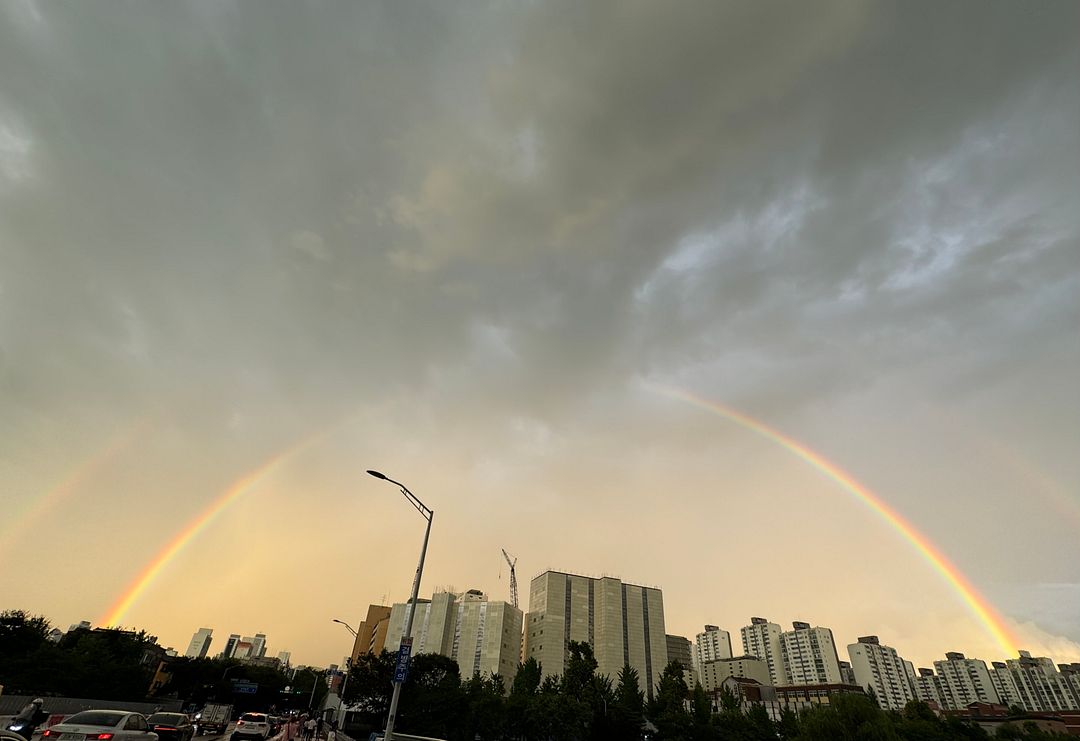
(713, 673)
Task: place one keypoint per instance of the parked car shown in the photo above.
(171, 726)
(251, 726)
(101, 725)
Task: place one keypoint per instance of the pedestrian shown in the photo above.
(309, 728)
(29, 718)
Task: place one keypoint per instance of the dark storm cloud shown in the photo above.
(284, 206)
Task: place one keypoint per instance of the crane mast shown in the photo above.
(513, 578)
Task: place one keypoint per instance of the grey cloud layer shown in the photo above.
(521, 205)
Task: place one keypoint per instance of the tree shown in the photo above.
(629, 709)
(522, 703)
(430, 701)
(668, 709)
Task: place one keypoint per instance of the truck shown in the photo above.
(214, 718)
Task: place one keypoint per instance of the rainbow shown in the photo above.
(236, 490)
(980, 608)
(71, 483)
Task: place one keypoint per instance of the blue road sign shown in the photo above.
(401, 669)
(246, 689)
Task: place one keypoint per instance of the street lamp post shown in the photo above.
(348, 670)
(428, 514)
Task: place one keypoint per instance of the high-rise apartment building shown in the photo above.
(371, 633)
(200, 643)
(244, 649)
(847, 676)
(879, 668)
(624, 623)
(762, 639)
(963, 681)
(1071, 674)
(480, 635)
(810, 655)
(710, 645)
(1033, 684)
(928, 687)
(283, 657)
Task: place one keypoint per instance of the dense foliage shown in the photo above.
(120, 664)
(584, 706)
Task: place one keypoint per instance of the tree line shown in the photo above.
(582, 705)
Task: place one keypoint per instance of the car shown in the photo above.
(101, 725)
(171, 726)
(251, 726)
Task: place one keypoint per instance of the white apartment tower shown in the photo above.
(762, 639)
(258, 646)
(928, 687)
(624, 623)
(482, 636)
(810, 655)
(963, 681)
(710, 645)
(200, 643)
(881, 669)
(1034, 684)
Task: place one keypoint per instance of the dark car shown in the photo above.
(171, 726)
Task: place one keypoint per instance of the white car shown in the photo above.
(251, 726)
(101, 725)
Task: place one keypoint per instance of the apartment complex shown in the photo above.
(624, 623)
(1033, 684)
(879, 668)
(680, 649)
(809, 655)
(762, 639)
(200, 643)
(482, 636)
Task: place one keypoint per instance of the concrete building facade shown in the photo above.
(624, 623)
(680, 649)
(713, 673)
(809, 655)
(762, 639)
(879, 668)
(200, 643)
(963, 681)
(710, 645)
(1033, 684)
(371, 633)
(480, 635)
(230, 646)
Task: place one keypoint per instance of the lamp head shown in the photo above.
(376, 474)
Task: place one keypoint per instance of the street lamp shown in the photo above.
(348, 668)
(427, 514)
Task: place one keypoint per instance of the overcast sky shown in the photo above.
(463, 243)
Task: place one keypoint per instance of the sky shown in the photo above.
(249, 250)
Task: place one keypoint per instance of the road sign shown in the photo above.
(401, 670)
(246, 689)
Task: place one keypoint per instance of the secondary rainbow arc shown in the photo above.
(979, 606)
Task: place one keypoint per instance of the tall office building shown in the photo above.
(762, 639)
(881, 669)
(284, 657)
(200, 643)
(810, 655)
(710, 645)
(258, 646)
(244, 649)
(679, 649)
(230, 646)
(963, 681)
(371, 633)
(624, 623)
(480, 635)
(1034, 684)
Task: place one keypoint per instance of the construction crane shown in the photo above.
(513, 578)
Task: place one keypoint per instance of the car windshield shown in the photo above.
(96, 718)
(253, 718)
(168, 718)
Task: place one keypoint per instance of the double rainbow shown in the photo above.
(978, 605)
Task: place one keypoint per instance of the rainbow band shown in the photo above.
(983, 611)
(238, 488)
